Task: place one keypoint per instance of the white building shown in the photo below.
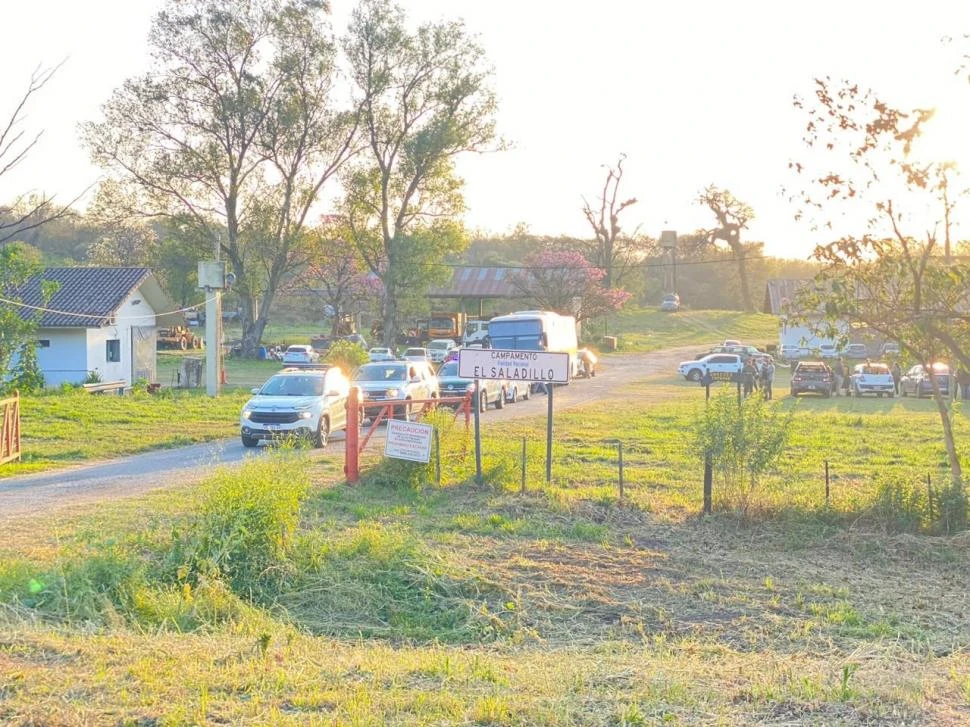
(780, 296)
(99, 321)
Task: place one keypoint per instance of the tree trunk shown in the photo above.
(738, 249)
(390, 312)
(956, 472)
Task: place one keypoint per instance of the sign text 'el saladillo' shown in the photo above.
(496, 363)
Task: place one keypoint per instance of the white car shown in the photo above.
(417, 353)
(438, 349)
(828, 350)
(871, 378)
(730, 363)
(309, 403)
(396, 381)
(379, 353)
(300, 354)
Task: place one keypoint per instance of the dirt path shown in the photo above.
(97, 482)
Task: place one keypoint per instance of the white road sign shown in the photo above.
(408, 440)
(497, 363)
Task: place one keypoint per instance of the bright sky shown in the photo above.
(692, 92)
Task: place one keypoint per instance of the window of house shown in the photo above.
(113, 350)
(43, 343)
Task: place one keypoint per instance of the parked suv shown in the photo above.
(403, 381)
(303, 402)
(812, 376)
(715, 363)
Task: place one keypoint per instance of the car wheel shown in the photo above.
(483, 401)
(527, 392)
(322, 434)
(514, 396)
(500, 399)
(794, 393)
(248, 441)
(694, 375)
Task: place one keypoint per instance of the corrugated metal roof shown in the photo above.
(478, 282)
(85, 297)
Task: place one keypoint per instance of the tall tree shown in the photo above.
(565, 282)
(424, 100)
(733, 217)
(891, 273)
(233, 131)
(610, 250)
(27, 212)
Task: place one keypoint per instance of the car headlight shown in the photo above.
(470, 387)
(393, 393)
(246, 413)
(306, 415)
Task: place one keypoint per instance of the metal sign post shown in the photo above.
(520, 366)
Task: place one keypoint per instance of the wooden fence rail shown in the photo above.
(10, 428)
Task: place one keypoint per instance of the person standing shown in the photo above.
(767, 377)
(839, 371)
(897, 375)
(747, 376)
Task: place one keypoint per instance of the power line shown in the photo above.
(42, 309)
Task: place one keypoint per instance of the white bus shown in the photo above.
(536, 330)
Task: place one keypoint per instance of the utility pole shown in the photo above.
(668, 241)
(213, 280)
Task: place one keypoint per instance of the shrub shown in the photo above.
(246, 525)
(347, 355)
(743, 441)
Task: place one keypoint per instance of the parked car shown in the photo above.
(745, 352)
(917, 380)
(309, 403)
(401, 381)
(791, 351)
(438, 349)
(416, 353)
(715, 363)
(495, 392)
(828, 350)
(812, 377)
(871, 378)
(300, 354)
(889, 348)
(856, 350)
(670, 303)
(381, 353)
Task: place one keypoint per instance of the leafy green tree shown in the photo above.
(18, 359)
(891, 274)
(234, 131)
(424, 100)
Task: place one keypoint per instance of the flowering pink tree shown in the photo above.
(336, 276)
(565, 282)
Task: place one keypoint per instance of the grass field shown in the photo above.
(639, 329)
(278, 595)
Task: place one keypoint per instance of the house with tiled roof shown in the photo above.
(100, 321)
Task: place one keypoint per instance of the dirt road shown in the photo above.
(105, 481)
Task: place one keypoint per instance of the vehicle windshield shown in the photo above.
(525, 335)
(293, 386)
(414, 352)
(381, 373)
(449, 369)
(444, 345)
(877, 369)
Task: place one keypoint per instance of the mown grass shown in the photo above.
(398, 601)
(646, 329)
(60, 428)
